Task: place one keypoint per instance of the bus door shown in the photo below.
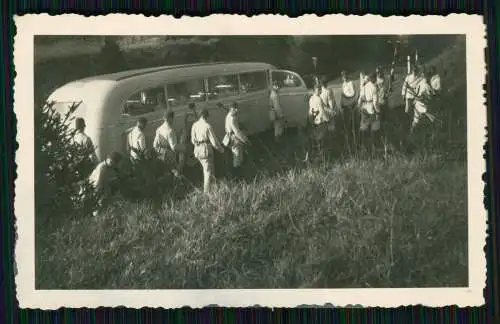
(293, 96)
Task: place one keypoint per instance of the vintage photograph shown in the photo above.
(252, 161)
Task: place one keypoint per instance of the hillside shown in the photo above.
(361, 223)
(395, 218)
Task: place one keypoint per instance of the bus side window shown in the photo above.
(253, 81)
(188, 91)
(222, 86)
(145, 101)
(286, 79)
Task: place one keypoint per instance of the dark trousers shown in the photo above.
(349, 126)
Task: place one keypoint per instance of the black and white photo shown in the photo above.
(215, 161)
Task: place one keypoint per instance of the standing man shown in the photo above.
(275, 112)
(348, 92)
(83, 140)
(368, 103)
(204, 141)
(319, 118)
(329, 103)
(165, 142)
(408, 89)
(348, 103)
(234, 138)
(423, 93)
(137, 140)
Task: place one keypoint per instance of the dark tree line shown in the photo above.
(334, 54)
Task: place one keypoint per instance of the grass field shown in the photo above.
(394, 222)
(393, 218)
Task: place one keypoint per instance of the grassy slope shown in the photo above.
(392, 221)
(368, 223)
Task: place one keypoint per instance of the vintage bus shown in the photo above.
(112, 103)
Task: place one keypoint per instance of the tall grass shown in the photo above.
(399, 222)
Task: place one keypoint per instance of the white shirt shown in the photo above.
(368, 97)
(204, 139)
(409, 85)
(327, 99)
(165, 139)
(84, 140)
(233, 129)
(317, 110)
(137, 141)
(436, 82)
(101, 176)
(348, 89)
(274, 101)
(423, 91)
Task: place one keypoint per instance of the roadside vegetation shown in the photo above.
(393, 217)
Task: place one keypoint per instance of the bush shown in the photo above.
(61, 167)
(148, 178)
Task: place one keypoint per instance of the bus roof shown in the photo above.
(197, 67)
(99, 85)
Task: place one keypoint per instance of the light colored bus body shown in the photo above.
(103, 99)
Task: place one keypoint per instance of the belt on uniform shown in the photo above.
(202, 142)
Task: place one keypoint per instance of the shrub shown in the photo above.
(61, 167)
(147, 178)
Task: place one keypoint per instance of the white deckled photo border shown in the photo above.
(121, 24)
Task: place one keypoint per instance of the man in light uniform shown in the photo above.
(205, 141)
(275, 112)
(408, 89)
(348, 92)
(348, 103)
(319, 117)
(103, 176)
(137, 139)
(165, 142)
(234, 138)
(368, 103)
(329, 104)
(423, 93)
(84, 140)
